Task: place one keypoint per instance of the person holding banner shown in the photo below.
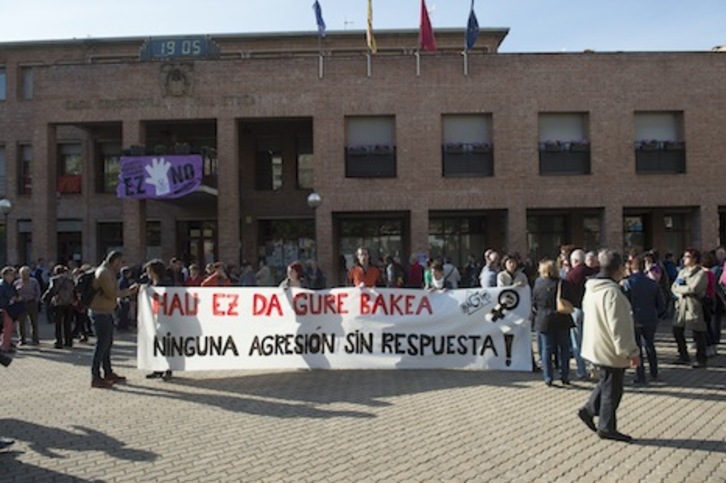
(156, 272)
(195, 278)
(511, 275)
(439, 281)
(218, 278)
(295, 276)
(363, 273)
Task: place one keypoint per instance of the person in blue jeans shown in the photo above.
(576, 277)
(553, 327)
(648, 305)
(102, 310)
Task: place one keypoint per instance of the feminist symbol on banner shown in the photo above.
(508, 300)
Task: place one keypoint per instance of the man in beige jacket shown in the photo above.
(608, 342)
(101, 311)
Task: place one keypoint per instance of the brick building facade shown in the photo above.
(439, 153)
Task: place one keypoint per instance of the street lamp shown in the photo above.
(314, 200)
(6, 206)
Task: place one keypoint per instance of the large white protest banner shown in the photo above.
(343, 328)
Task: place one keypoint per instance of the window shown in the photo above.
(110, 155)
(69, 168)
(659, 145)
(634, 233)
(563, 144)
(3, 173)
(304, 148)
(467, 149)
(677, 232)
(3, 84)
(69, 240)
(25, 241)
(197, 241)
(286, 241)
(209, 158)
(382, 235)
(26, 85)
(110, 237)
(268, 166)
(26, 175)
(457, 237)
(370, 147)
(153, 240)
(591, 232)
(545, 235)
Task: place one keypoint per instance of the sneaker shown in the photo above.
(101, 384)
(587, 419)
(155, 375)
(698, 365)
(681, 361)
(615, 436)
(166, 376)
(114, 378)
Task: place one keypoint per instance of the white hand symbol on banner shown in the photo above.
(158, 173)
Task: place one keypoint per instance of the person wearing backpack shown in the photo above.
(62, 296)
(102, 309)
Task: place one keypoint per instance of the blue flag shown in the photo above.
(472, 29)
(319, 18)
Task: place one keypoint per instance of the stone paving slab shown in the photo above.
(348, 425)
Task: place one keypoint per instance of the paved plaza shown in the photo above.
(348, 425)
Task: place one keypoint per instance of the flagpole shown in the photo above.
(321, 33)
(418, 63)
(368, 64)
(320, 58)
(466, 62)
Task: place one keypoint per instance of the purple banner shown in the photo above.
(159, 177)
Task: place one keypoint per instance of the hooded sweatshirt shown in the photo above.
(609, 333)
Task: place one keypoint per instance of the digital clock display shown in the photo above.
(193, 47)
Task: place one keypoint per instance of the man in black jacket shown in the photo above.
(648, 305)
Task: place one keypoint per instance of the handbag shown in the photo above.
(564, 306)
(15, 310)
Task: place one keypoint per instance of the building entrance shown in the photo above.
(197, 242)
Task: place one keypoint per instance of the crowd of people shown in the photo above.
(577, 303)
